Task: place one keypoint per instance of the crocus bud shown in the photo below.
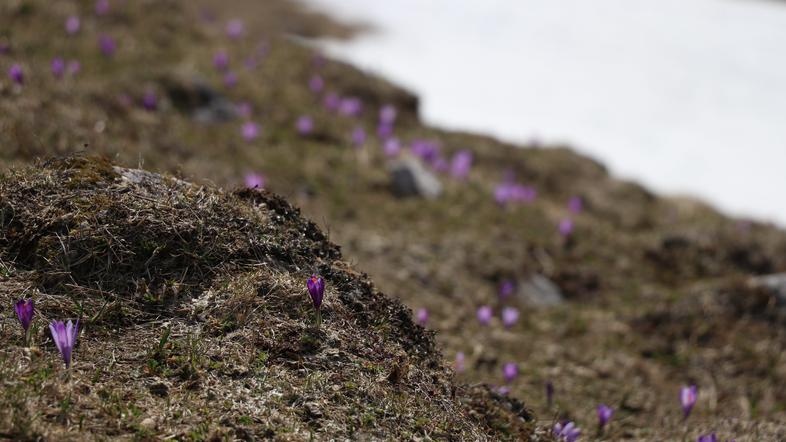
(392, 147)
(565, 227)
(58, 67)
(150, 101)
(460, 360)
(484, 314)
(510, 371)
(358, 137)
(230, 79)
(250, 131)
(506, 288)
(74, 67)
(235, 29)
(24, 312)
(332, 101)
(422, 316)
(102, 7)
(707, 438)
(17, 74)
(604, 415)
(566, 431)
(387, 114)
(461, 164)
(688, 396)
(350, 106)
(316, 84)
(509, 316)
(575, 205)
(72, 24)
(221, 60)
(305, 125)
(107, 45)
(64, 336)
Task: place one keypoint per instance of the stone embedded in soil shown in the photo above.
(540, 291)
(408, 177)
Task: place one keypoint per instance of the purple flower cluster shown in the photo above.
(509, 191)
(63, 335)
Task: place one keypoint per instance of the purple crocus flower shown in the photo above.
(387, 114)
(221, 60)
(604, 415)
(688, 396)
(102, 7)
(316, 84)
(73, 24)
(64, 336)
(150, 101)
(17, 74)
(460, 362)
(358, 137)
(235, 28)
(422, 316)
(24, 312)
(58, 67)
(243, 109)
(427, 150)
(316, 288)
(503, 390)
(461, 164)
(255, 181)
(707, 438)
(332, 101)
(566, 431)
(230, 79)
(565, 227)
(509, 316)
(305, 125)
(74, 67)
(250, 131)
(350, 106)
(575, 204)
(510, 371)
(506, 288)
(107, 45)
(384, 130)
(392, 147)
(484, 314)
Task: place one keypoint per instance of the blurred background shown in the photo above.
(687, 97)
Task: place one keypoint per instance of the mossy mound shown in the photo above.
(195, 322)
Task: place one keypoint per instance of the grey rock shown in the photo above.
(776, 283)
(408, 177)
(539, 291)
(197, 98)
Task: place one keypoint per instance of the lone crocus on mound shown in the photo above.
(422, 316)
(64, 336)
(688, 397)
(255, 181)
(566, 431)
(316, 289)
(24, 312)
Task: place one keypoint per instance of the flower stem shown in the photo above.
(319, 318)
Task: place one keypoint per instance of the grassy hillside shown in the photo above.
(656, 289)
